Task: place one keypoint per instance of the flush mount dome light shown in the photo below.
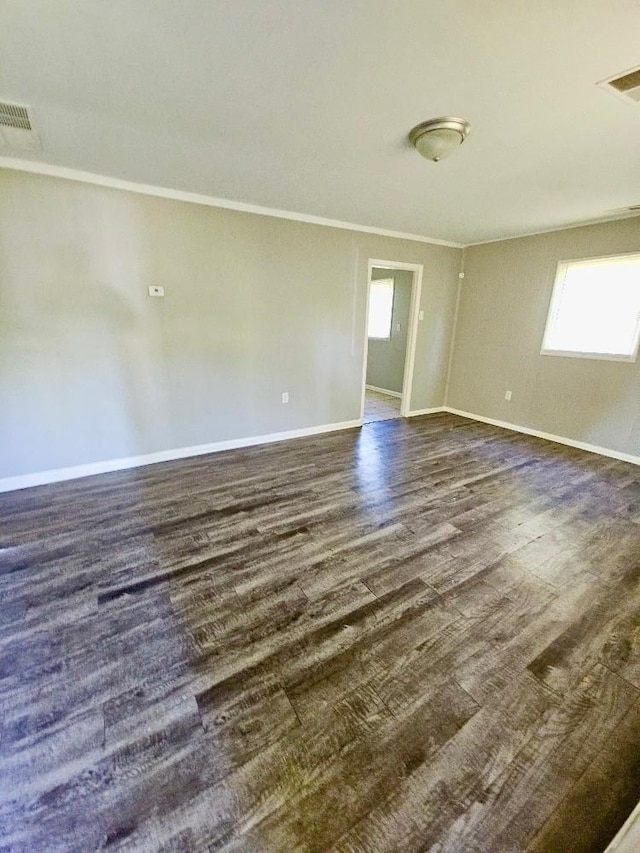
(438, 137)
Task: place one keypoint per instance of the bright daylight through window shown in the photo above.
(595, 309)
(380, 308)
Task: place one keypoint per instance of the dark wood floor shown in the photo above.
(423, 635)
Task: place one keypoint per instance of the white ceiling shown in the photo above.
(304, 105)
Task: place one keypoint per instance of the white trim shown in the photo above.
(434, 411)
(412, 336)
(383, 391)
(57, 475)
(628, 838)
(39, 168)
(558, 439)
(601, 356)
(396, 265)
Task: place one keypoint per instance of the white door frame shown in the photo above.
(414, 312)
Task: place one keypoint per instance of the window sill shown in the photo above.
(597, 356)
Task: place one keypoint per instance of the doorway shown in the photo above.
(393, 301)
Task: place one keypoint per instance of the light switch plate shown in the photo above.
(155, 290)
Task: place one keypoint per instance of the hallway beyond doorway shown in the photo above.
(380, 407)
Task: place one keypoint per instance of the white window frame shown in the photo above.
(554, 308)
(387, 281)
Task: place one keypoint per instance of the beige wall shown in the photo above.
(503, 309)
(92, 369)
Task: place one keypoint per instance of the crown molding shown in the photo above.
(602, 220)
(40, 168)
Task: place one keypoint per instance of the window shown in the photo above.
(595, 309)
(380, 308)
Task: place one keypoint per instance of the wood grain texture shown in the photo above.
(421, 635)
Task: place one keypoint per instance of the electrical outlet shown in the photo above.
(155, 290)
(421, 315)
(507, 395)
(285, 396)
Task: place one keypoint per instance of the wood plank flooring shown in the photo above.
(421, 635)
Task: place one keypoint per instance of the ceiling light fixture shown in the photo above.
(438, 137)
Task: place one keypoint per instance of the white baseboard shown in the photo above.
(383, 391)
(628, 839)
(434, 411)
(558, 439)
(57, 475)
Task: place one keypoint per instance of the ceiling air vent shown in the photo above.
(16, 128)
(625, 85)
